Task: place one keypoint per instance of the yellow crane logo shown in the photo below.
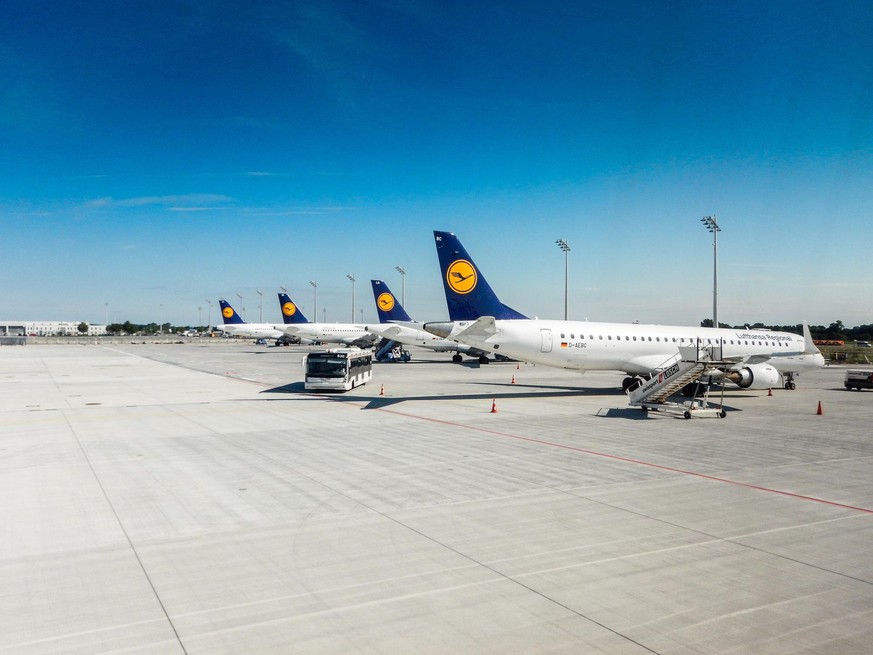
(461, 276)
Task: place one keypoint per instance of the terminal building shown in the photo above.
(49, 329)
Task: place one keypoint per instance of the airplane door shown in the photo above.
(545, 341)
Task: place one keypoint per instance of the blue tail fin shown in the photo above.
(229, 315)
(468, 295)
(388, 307)
(291, 313)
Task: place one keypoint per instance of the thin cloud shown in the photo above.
(195, 201)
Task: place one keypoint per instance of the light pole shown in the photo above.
(209, 318)
(710, 224)
(563, 245)
(199, 317)
(352, 278)
(324, 311)
(402, 272)
(315, 293)
(260, 305)
(241, 308)
(107, 313)
(161, 324)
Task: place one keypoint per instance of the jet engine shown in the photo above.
(754, 376)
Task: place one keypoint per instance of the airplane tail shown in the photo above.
(387, 306)
(291, 313)
(228, 314)
(468, 295)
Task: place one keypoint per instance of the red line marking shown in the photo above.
(631, 460)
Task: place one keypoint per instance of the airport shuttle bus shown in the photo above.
(337, 369)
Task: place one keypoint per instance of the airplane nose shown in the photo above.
(440, 329)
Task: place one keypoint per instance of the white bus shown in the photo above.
(338, 368)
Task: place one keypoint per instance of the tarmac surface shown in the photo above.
(161, 498)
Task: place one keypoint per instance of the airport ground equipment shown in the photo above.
(858, 379)
(389, 350)
(338, 369)
(686, 367)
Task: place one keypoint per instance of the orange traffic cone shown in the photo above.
(517, 366)
(493, 406)
(513, 379)
(818, 411)
(382, 390)
(770, 392)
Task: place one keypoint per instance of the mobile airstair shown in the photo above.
(687, 366)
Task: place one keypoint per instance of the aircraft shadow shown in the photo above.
(639, 414)
(379, 402)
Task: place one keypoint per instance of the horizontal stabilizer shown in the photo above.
(482, 327)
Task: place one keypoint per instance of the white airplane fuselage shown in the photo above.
(636, 349)
(255, 330)
(414, 337)
(331, 332)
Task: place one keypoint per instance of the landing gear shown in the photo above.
(484, 360)
(456, 358)
(789, 382)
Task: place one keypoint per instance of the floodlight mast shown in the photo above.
(563, 245)
(352, 278)
(402, 272)
(315, 293)
(710, 223)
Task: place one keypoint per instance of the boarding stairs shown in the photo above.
(384, 348)
(689, 364)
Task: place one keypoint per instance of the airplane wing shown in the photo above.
(749, 359)
(482, 328)
(643, 364)
(386, 330)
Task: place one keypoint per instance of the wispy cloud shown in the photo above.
(190, 202)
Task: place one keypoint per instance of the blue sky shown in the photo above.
(156, 155)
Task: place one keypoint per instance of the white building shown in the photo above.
(49, 329)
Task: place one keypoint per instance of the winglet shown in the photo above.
(291, 313)
(809, 347)
(468, 294)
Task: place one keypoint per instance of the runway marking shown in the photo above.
(631, 460)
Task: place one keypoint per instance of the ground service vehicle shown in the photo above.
(339, 369)
(858, 379)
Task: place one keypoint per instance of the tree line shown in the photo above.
(836, 331)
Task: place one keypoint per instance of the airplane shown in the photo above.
(297, 325)
(396, 324)
(233, 325)
(756, 359)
